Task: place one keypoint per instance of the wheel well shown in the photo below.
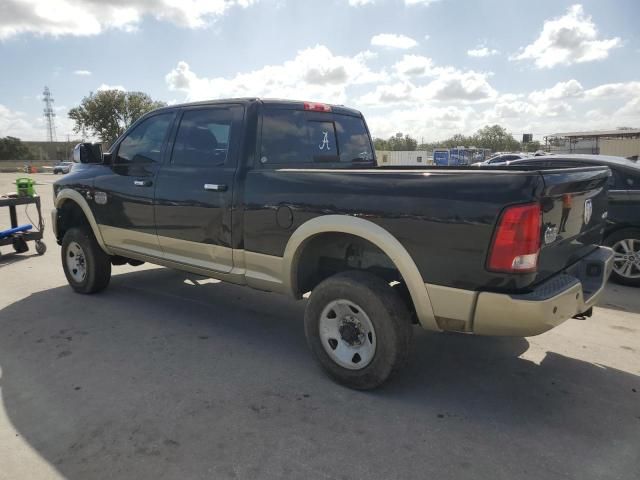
(326, 254)
(70, 215)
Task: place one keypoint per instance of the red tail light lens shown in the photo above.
(317, 107)
(516, 244)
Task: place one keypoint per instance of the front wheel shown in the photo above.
(86, 266)
(358, 329)
(626, 261)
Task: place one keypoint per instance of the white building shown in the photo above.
(415, 157)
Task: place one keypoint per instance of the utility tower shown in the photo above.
(49, 115)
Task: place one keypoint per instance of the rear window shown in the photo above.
(299, 137)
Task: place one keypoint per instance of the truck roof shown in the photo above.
(278, 102)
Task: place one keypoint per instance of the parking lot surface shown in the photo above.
(167, 375)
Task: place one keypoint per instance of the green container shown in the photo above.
(25, 187)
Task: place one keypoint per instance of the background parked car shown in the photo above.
(62, 167)
(503, 158)
(623, 228)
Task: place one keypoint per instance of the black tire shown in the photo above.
(97, 263)
(41, 247)
(611, 240)
(385, 310)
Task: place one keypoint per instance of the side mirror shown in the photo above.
(87, 153)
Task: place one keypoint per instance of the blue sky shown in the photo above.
(430, 68)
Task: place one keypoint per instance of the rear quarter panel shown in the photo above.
(445, 219)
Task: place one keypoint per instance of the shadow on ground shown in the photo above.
(9, 258)
(167, 376)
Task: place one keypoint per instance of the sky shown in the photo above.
(429, 68)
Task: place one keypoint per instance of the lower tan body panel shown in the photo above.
(257, 270)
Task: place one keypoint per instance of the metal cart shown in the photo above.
(18, 240)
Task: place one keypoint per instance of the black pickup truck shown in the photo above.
(286, 196)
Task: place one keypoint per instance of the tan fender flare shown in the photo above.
(69, 195)
(372, 233)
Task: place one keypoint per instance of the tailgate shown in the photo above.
(574, 206)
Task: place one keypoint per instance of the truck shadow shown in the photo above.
(171, 376)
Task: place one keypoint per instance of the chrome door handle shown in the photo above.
(142, 183)
(214, 187)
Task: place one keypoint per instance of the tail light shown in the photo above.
(317, 107)
(516, 243)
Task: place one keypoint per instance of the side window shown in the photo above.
(143, 145)
(204, 137)
(284, 137)
(300, 137)
(355, 145)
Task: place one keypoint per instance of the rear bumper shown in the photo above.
(566, 295)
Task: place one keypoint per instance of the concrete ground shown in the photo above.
(167, 376)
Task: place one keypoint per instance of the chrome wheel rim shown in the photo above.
(626, 258)
(76, 262)
(347, 334)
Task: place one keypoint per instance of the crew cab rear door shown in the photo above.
(574, 211)
(194, 192)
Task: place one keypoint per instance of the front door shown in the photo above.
(194, 191)
(123, 193)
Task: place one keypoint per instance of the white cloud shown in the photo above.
(561, 90)
(572, 38)
(359, 3)
(481, 51)
(19, 124)
(414, 65)
(82, 73)
(610, 90)
(104, 86)
(314, 74)
(81, 18)
(630, 109)
(451, 85)
(426, 3)
(393, 40)
(423, 121)
(15, 124)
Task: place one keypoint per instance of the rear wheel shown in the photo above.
(358, 329)
(86, 266)
(626, 261)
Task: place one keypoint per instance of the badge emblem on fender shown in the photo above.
(550, 234)
(588, 210)
(100, 198)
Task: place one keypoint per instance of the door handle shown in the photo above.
(215, 188)
(142, 183)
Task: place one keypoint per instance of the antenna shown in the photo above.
(49, 114)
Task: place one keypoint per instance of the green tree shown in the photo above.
(458, 140)
(108, 113)
(496, 138)
(397, 142)
(12, 148)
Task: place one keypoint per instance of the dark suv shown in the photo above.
(623, 221)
